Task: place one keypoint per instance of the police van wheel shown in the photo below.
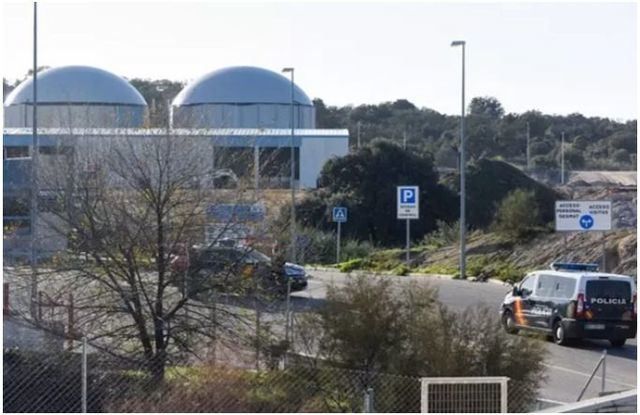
(509, 323)
(617, 342)
(559, 334)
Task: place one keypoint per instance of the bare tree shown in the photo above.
(130, 207)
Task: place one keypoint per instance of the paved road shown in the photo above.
(568, 368)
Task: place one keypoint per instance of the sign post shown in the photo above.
(339, 216)
(585, 216)
(408, 208)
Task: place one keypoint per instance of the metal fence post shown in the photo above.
(368, 400)
(504, 396)
(604, 369)
(84, 375)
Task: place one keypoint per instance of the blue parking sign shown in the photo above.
(340, 214)
(408, 202)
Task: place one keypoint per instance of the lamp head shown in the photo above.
(287, 69)
(458, 43)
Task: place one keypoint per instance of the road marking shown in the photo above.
(586, 375)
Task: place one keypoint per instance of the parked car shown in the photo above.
(573, 301)
(226, 265)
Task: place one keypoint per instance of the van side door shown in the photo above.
(544, 301)
(524, 302)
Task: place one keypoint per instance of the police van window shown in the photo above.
(528, 284)
(608, 289)
(564, 287)
(545, 286)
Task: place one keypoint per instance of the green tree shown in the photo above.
(365, 181)
(488, 107)
(518, 214)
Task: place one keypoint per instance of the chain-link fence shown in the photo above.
(57, 382)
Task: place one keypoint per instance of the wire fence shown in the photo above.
(47, 369)
(56, 382)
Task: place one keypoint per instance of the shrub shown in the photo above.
(518, 215)
(401, 269)
(353, 249)
(376, 325)
(446, 234)
(351, 265)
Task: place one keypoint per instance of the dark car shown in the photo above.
(224, 266)
(573, 301)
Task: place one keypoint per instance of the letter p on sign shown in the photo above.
(408, 196)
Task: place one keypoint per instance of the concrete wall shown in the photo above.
(315, 152)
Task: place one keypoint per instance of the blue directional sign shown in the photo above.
(586, 221)
(340, 214)
(408, 202)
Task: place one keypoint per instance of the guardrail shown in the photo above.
(617, 402)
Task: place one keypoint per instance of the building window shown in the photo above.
(15, 152)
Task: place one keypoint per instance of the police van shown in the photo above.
(573, 301)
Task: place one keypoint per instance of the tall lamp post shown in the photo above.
(462, 172)
(293, 170)
(34, 172)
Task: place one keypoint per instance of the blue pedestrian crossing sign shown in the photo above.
(340, 214)
(408, 202)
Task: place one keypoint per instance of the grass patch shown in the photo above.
(438, 268)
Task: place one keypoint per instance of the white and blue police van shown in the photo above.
(573, 301)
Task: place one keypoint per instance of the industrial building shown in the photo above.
(243, 114)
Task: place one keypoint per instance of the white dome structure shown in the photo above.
(78, 97)
(242, 97)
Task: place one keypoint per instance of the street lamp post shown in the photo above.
(35, 191)
(562, 159)
(462, 171)
(293, 170)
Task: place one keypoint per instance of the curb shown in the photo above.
(411, 274)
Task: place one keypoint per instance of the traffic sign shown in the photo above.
(340, 214)
(408, 202)
(583, 215)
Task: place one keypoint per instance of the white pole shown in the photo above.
(408, 242)
(34, 171)
(462, 169)
(604, 252)
(338, 243)
(288, 310)
(358, 134)
(528, 148)
(84, 375)
(562, 160)
(604, 369)
(293, 173)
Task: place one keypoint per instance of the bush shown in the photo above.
(351, 265)
(376, 325)
(401, 269)
(446, 234)
(353, 249)
(518, 215)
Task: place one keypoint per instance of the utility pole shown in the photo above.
(358, 134)
(562, 160)
(462, 171)
(34, 171)
(528, 146)
(293, 170)
(404, 140)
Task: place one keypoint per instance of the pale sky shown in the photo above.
(555, 57)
